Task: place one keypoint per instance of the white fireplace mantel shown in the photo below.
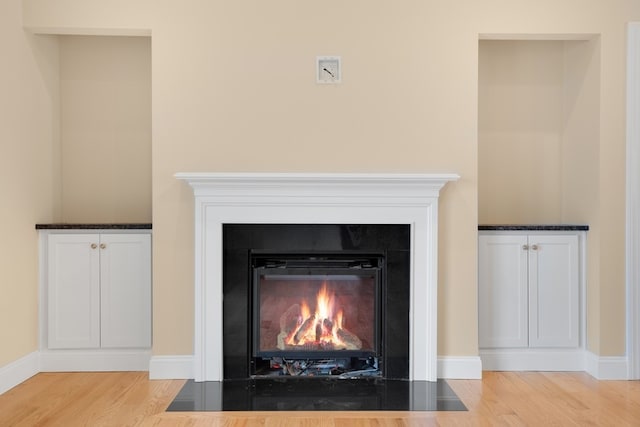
(314, 198)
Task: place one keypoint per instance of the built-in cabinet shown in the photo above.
(96, 298)
(529, 287)
(99, 291)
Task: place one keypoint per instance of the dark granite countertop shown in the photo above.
(107, 226)
(533, 227)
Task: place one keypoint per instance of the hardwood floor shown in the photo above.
(501, 398)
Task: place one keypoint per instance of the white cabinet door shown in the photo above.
(125, 266)
(528, 291)
(553, 291)
(502, 291)
(74, 291)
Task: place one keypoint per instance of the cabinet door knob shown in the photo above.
(93, 246)
(534, 247)
(525, 247)
(102, 245)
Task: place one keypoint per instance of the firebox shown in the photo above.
(319, 310)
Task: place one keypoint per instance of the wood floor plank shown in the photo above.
(500, 399)
(606, 402)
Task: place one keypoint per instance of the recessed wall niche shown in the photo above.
(105, 125)
(538, 130)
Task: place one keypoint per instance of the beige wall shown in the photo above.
(520, 125)
(105, 91)
(29, 177)
(233, 89)
(538, 131)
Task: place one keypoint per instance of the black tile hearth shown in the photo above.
(316, 395)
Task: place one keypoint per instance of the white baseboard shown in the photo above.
(533, 360)
(181, 367)
(465, 367)
(18, 371)
(171, 367)
(607, 367)
(599, 367)
(94, 360)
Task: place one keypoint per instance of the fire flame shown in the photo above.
(322, 327)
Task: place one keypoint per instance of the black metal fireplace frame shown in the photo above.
(332, 263)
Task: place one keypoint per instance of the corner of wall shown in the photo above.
(606, 367)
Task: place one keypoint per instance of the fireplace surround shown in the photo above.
(283, 198)
(323, 300)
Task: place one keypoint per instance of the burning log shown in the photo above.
(305, 329)
(290, 319)
(328, 324)
(351, 340)
(289, 322)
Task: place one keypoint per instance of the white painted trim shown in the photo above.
(94, 360)
(18, 371)
(582, 236)
(460, 367)
(315, 199)
(606, 368)
(43, 288)
(205, 183)
(171, 367)
(633, 200)
(529, 359)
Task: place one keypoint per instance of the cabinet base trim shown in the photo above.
(533, 360)
(460, 367)
(171, 367)
(599, 367)
(94, 360)
(18, 371)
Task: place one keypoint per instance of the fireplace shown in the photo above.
(223, 346)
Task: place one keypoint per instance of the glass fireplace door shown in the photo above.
(316, 311)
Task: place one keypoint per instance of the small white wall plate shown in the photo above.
(328, 69)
